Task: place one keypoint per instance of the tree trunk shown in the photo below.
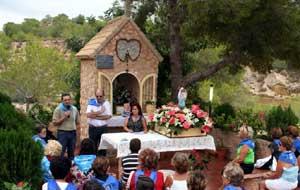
(175, 47)
(212, 69)
(127, 8)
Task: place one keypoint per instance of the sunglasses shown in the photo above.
(99, 96)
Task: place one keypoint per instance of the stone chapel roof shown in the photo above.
(103, 37)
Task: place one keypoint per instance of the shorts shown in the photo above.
(280, 184)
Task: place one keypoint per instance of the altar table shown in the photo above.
(158, 142)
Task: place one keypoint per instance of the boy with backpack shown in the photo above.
(60, 168)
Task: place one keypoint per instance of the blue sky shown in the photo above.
(16, 10)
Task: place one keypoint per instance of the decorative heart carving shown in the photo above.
(131, 47)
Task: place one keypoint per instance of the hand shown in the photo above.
(102, 110)
(67, 114)
(267, 175)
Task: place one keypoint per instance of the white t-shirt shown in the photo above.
(61, 185)
(97, 122)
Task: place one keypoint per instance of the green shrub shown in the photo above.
(4, 99)
(40, 114)
(251, 118)
(281, 117)
(20, 158)
(224, 116)
(12, 119)
(225, 108)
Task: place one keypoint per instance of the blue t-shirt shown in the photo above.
(231, 187)
(84, 162)
(288, 157)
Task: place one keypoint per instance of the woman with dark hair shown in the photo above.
(81, 169)
(286, 174)
(148, 161)
(136, 121)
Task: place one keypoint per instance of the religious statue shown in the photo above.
(182, 94)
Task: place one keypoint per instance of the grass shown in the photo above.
(263, 103)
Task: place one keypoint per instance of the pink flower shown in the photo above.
(195, 108)
(206, 128)
(186, 125)
(201, 114)
(172, 121)
(151, 117)
(163, 120)
(20, 184)
(171, 112)
(181, 117)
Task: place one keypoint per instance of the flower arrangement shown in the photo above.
(174, 120)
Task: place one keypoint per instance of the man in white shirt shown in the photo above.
(98, 112)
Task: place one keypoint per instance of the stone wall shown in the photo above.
(144, 65)
(88, 84)
(230, 140)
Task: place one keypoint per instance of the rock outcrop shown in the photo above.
(277, 84)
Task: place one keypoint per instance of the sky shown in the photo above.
(16, 10)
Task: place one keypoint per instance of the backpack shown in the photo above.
(110, 184)
(153, 176)
(52, 185)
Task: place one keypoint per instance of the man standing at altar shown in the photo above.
(98, 112)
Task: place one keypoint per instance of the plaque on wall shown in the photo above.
(104, 61)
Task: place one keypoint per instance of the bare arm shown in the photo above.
(243, 154)
(126, 126)
(95, 114)
(278, 172)
(144, 125)
(168, 181)
(59, 121)
(103, 117)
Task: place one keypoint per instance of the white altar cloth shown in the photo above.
(160, 143)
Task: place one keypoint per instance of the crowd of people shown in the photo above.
(90, 168)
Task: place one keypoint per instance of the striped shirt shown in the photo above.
(129, 163)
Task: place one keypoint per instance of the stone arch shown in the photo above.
(124, 84)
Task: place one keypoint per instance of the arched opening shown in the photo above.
(125, 89)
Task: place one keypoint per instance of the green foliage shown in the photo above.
(281, 117)
(250, 118)
(41, 114)
(115, 11)
(24, 158)
(76, 31)
(75, 43)
(19, 186)
(248, 27)
(35, 73)
(4, 99)
(224, 116)
(4, 49)
(11, 119)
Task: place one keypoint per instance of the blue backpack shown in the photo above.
(111, 183)
(52, 185)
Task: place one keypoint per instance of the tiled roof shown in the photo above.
(103, 37)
